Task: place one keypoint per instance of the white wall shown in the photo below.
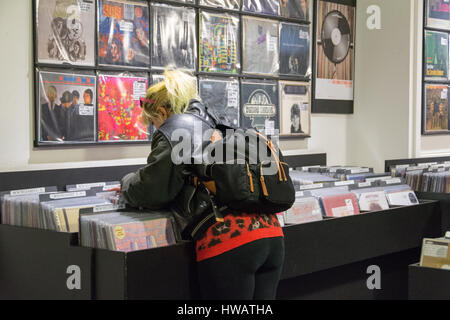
(379, 129)
(17, 120)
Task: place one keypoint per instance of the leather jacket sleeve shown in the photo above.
(157, 184)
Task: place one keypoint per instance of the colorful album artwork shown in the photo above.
(438, 14)
(174, 41)
(261, 52)
(295, 108)
(269, 7)
(295, 49)
(226, 4)
(221, 95)
(66, 108)
(119, 111)
(260, 108)
(335, 51)
(219, 43)
(295, 9)
(123, 33)
(66, 32)
(436, 55)
(436, 118)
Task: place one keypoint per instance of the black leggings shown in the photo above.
(251, 271)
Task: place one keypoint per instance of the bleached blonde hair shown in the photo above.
(173, 93)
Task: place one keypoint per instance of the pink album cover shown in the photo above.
(340, 205)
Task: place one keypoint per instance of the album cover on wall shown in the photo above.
(221, 95)
(269, 7)
(66, 107)
(438, 14)
(226, 4)
(435, 116)
(295, 108)
(295, 49)
(260, 107)
(436, 55)
(219, 43)
(261, 52)
(296, 9)
(65, 31)
(173, 36)
(119, 111)
(335, 51)
(123, 33)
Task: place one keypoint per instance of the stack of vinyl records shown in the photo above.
(425, 177)
(335, 199)
(127, 231)
(44, 208)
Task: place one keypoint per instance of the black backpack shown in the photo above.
(256, 180)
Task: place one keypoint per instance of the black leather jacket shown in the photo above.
(165, 183)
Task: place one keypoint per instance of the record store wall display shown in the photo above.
(436, 76)
(94, 59)
(260, 106)
(334, 58)
(173, 37)
(295, 108)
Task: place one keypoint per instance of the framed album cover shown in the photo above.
(219, 43)
(260, 106)
(119, 110)
(226, 4)
(296, 9)
(260, 46)
(65, 32)
(438, 14)
(436, 55)
(269, 7)
(435, 116)
(295, 49)
(221, 95)
(174, 41)
(65, 107)
(123, 33)
(295, 109)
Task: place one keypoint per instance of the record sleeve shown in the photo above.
(174, 39)
(438, 14)
(226, 4)
(119, 111)
(295, 49)
(435, 115)
(295, 9)
(334, 51)
(261, 52)
(123, 33)
(436, 55)
(221, 95)
(219, 43)
(66, 110)
(65, 31)
(373, 201)
(305, 209)
(295, 108)
(260, 107)
(340, 205)
(269, 7)
(402, 198)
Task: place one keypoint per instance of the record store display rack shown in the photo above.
(326, 259)
(94, 60)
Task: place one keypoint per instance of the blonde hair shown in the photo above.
(173, 93)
